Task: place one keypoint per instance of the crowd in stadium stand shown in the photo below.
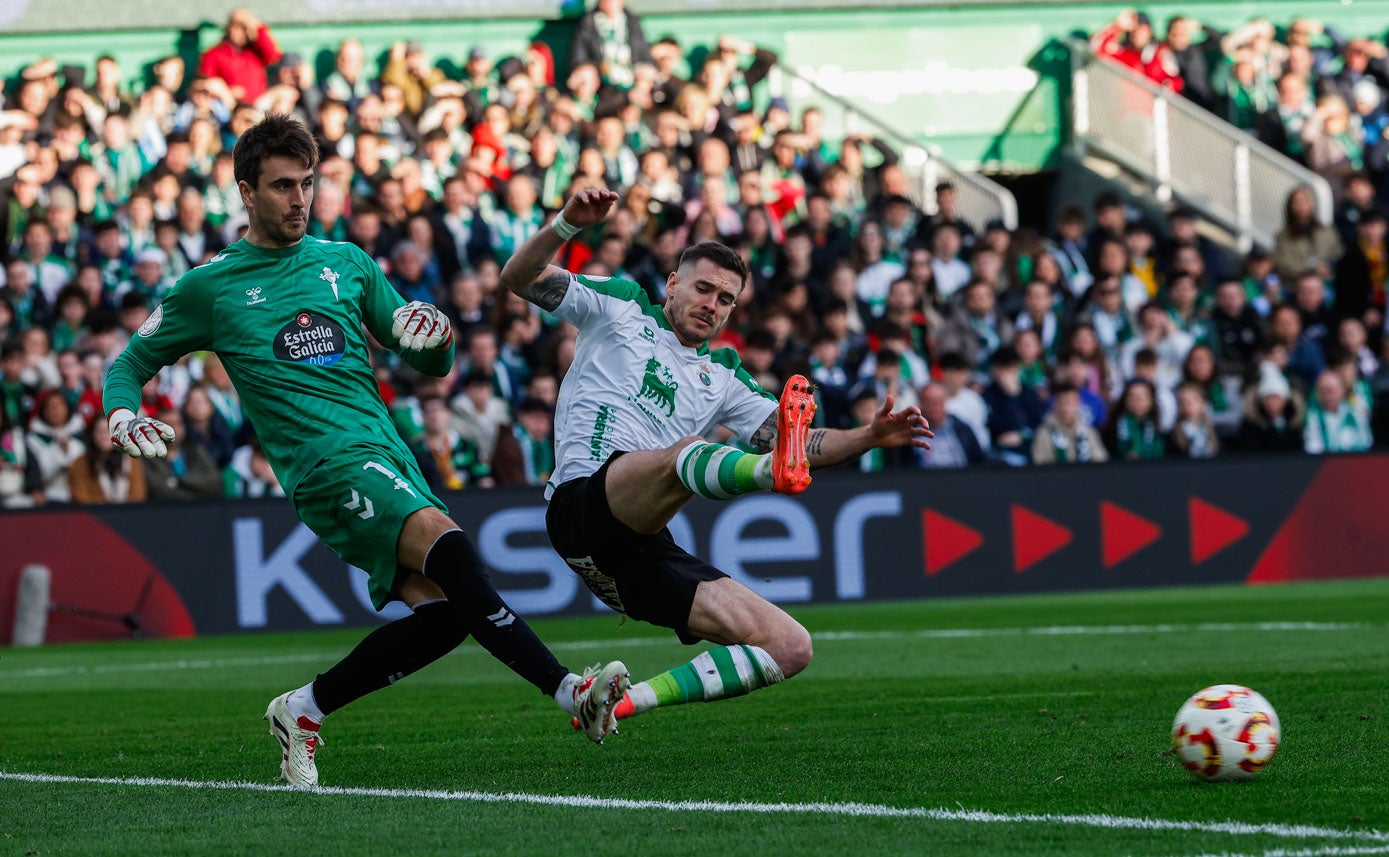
(1109, 338)
(1314, 95)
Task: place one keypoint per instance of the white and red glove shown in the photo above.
(139, 437)
(419, 326)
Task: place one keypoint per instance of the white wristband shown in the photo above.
(118, 416)
(563, 228)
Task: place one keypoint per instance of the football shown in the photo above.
(1226, 732)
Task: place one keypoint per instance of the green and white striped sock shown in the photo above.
(716, 674)
(722, 472)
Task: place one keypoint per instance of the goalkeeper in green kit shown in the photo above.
(285, 313)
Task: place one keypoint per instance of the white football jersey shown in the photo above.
(634, 386)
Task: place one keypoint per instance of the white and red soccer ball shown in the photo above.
(1226, 732)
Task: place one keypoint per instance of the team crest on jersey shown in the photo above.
(152, 323)
(656, 398)
(706, 375)
(331, 277)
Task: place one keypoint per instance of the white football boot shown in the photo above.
(595, 697)
(298, 739)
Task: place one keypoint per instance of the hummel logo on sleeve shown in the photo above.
(254, 297)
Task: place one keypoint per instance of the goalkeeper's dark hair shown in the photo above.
(277, 134)
(717, 253)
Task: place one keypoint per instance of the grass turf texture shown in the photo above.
(1009, 721)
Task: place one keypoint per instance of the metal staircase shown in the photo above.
(978, 198)
(1183, 153)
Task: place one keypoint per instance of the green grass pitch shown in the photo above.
(1030, 725)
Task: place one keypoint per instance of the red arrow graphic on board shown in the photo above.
(1123, 534)
(1035, 538)
(946, 540)
(1212, 530)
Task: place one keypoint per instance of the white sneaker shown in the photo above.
(298, 739)
(595, 697)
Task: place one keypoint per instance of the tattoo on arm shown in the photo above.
(815, 443)
(547, 293)
(765, 436)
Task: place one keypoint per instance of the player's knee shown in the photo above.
(454, 565)
(795, 649)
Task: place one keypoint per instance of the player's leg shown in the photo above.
(645, 488)
(358, 502)
(383, 657)
(722, 472)
(387, 523)
(649, 577)
(449, 559)
(759, 645)
(453, 597)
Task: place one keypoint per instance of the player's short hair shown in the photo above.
(718, 254)
(278, 134)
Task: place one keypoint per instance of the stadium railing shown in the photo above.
(979, 198)
(1185, 153)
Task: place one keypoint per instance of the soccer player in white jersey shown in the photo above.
(634, 408)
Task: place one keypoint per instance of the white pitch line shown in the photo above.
(643, 642)
(858, 810)
(1090, 630)
(159, 666)
(1329, 851)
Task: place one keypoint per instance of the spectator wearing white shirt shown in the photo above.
(1333, 425)
(963, 402)
(1158, 332)
(950, 271)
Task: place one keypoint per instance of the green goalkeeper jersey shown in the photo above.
(287, 323)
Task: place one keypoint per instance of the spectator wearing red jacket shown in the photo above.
(242, 56)
(1129, 41)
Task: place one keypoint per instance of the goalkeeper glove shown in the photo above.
(139, 437)
(419, 325)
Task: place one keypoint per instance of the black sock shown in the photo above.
(454, 564)
(389, 654)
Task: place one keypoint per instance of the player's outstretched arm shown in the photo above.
(528, 272)
(828, 447)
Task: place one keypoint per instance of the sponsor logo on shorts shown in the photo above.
(597, 582)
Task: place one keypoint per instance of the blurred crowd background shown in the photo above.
(1102, 334)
